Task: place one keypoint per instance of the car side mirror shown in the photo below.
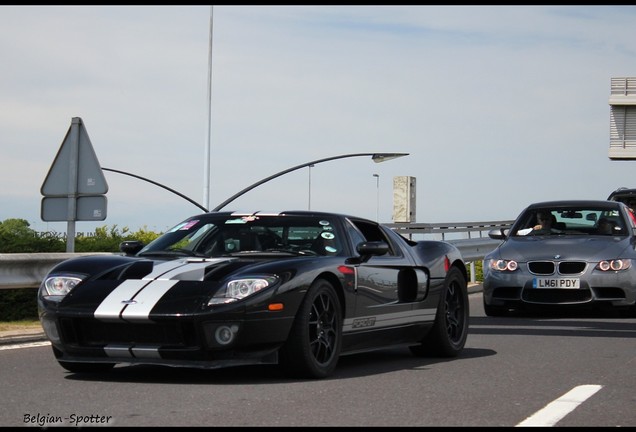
(373, 248)
(498, 233)
(130, 247)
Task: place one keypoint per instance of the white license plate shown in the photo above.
(556, 283)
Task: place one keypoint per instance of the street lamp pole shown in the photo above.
(160, 185)
(309, 204)
(376, 157)
(206, 155)
(377, 205)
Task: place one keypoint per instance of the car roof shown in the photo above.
(225, 213)
(574, 203)
(622, 192)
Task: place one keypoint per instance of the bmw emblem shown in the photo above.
(557, 256)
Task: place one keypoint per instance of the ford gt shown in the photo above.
(298, 289)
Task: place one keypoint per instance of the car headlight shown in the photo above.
(55, 287)
(614, 265)
(238, 289)
(503, 265)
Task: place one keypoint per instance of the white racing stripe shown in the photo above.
(112, 305)
(118, 351)
(188, 269)
(133, 299)
(146, 300)
(159, 270)
(192, 270)
(556, 410)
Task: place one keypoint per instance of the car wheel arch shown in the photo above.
(312, 348)
(337, 285)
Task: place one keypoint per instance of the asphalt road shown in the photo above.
(566, 371)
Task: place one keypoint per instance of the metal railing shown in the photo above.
(471, 238)
(448, 230)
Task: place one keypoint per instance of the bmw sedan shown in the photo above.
(563, 254)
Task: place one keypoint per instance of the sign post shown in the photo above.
(75, 187)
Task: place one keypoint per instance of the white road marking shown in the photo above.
(556, 410)
(24, 345)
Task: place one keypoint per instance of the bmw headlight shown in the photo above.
(55, 287)
(614, 265)
(238, 289)
(503, 265)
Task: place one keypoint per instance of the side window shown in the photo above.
(355, 235)
(372, 232)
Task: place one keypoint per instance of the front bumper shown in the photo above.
(506, 289)
(179, 341)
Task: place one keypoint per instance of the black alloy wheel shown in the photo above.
(448, 335)
(313, 347)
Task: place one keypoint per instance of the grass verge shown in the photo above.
(19, 325)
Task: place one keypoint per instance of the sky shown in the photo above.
(496, 106)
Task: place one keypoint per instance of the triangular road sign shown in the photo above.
(75, 170)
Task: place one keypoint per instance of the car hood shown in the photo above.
(566, 248)
(132, 287)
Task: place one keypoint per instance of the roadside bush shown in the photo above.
(16, 236)
(18, 304)
(479, 271)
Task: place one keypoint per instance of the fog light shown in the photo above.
(51, 330)
(225, 334)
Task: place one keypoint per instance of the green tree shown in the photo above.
(16, 227)
(16, 236)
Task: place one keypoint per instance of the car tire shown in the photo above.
(86, 367)
(313, 346)
(448, 335)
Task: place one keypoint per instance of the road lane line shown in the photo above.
(24, 345)
(556, 410)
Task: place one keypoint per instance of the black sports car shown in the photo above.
(564, 255)
(222, 289)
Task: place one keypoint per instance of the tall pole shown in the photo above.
(206, 156)
(377, 199)
(72, 186)
(309, 204)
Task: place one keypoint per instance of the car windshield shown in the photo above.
(571, 221)
(222, 235)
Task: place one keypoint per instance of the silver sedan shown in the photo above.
(564, 254)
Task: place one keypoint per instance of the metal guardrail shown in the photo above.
(441, 231)
(26, 270)
(471, 238)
